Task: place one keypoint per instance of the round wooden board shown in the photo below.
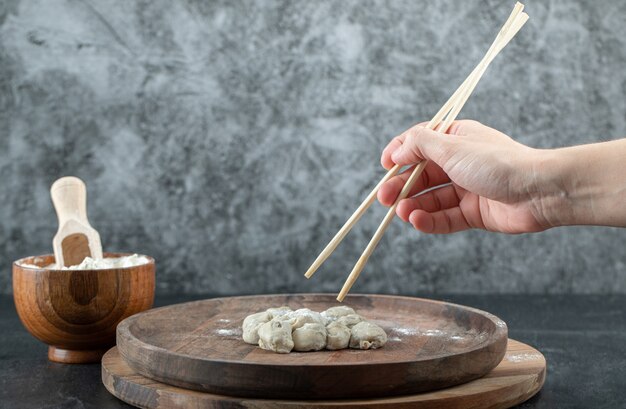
(518, 377)
(198, 345)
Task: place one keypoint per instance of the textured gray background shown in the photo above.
(231, 139)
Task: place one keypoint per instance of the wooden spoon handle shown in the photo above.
(69, 197)
(75, 239)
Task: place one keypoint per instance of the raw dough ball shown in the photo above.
(366, 335)
(278, 311)
(275, 335)
(283, 330)
(333, 313)
(309, 337)
(337, 336)
(350, 320)
(251, 326)
(303, 316)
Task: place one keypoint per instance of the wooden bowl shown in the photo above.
(76, 312)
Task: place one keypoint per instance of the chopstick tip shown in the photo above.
(344, 291)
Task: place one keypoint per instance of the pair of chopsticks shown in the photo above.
(441, 122)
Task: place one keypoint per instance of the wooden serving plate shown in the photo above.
(198, 345)
(518, 377)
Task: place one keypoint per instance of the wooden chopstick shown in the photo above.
(513, 24)
(514, 28)
(434, 122)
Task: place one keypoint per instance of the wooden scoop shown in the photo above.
(75, 239)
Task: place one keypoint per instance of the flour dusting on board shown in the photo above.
(405, 331)
(228, 332)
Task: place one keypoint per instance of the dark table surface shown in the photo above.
(583, 338)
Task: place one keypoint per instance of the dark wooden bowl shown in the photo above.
(76, 312)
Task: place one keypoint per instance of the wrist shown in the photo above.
(549, 190)
(581, 185)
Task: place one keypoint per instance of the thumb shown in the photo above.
(421, 143)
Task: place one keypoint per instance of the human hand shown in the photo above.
(492, 180)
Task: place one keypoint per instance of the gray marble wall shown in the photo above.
(230, 139)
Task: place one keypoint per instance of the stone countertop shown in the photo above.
(583, 338)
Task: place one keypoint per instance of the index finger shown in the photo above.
(395, 143)
(385, 158)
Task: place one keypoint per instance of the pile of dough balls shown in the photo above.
(283, 330)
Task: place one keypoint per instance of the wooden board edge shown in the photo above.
(141, 392)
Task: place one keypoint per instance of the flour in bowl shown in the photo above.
(100, 264)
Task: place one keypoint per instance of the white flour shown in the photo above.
(100, 264)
